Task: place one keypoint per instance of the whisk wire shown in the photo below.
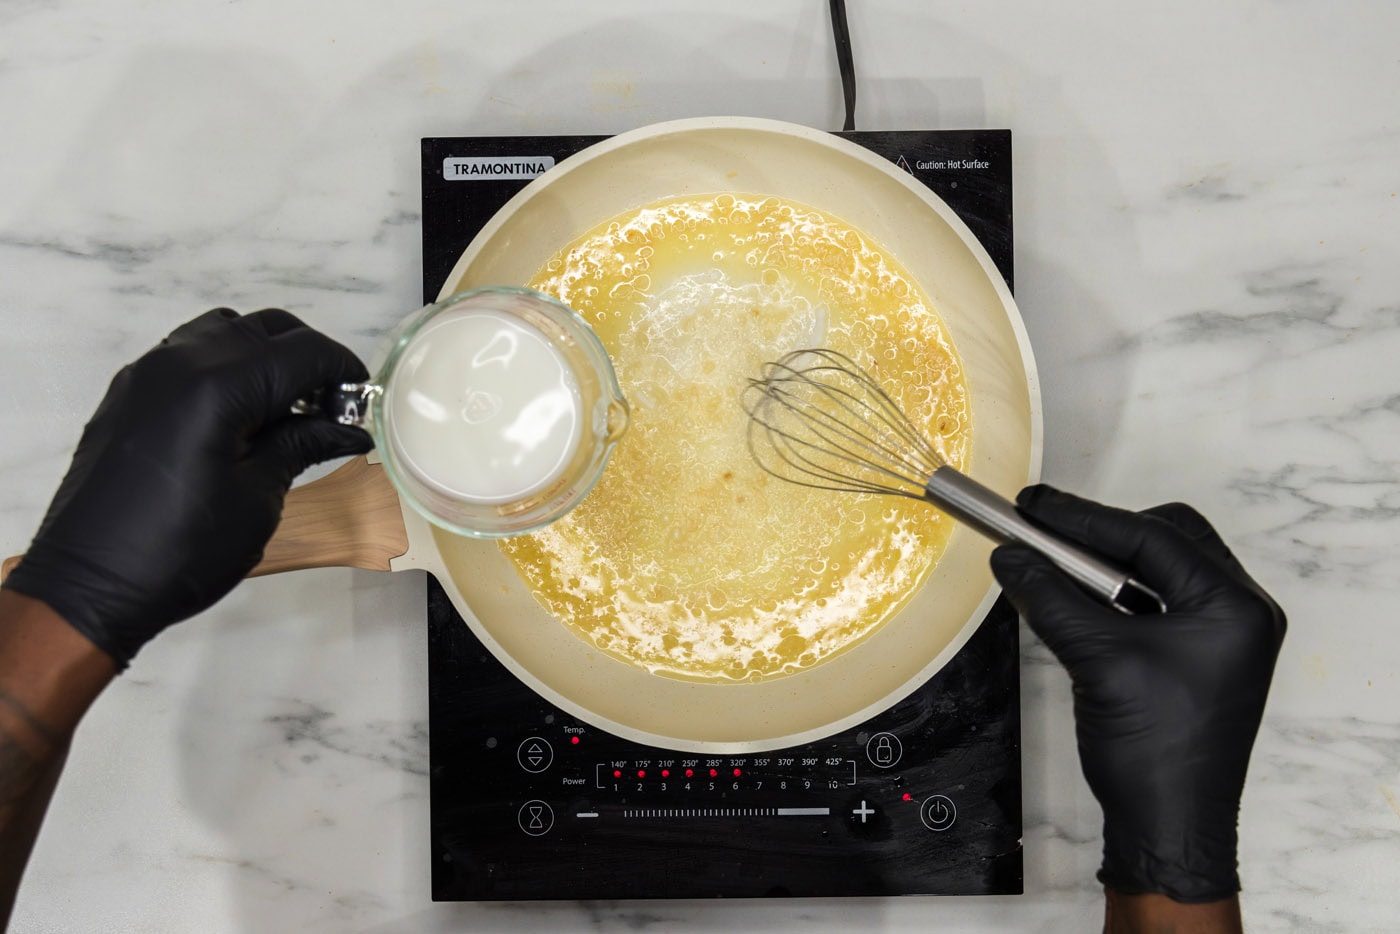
(824, 417)
(834, 437)
(898, 436)
(815, 460)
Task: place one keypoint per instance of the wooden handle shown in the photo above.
(349, 518)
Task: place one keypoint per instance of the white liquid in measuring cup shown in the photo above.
(483, 407)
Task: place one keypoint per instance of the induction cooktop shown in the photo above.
(530, 802)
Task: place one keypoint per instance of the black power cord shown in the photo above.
(842, 32)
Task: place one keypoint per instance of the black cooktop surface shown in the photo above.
(529, 802)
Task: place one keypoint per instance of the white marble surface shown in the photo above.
(1208, 239)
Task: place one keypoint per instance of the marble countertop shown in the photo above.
(1207, 233)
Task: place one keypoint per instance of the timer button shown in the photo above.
(535, 754)
(884, 750)
(535, 818)
(938, 813)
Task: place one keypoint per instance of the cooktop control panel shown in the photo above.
(529, 802)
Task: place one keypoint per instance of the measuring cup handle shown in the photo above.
(346, 403)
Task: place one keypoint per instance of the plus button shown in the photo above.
(864, 811)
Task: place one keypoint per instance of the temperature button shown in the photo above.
(535, 818)
(884, 750)
(535, 754)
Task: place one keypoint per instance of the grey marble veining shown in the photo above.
(1207, 230)
(307, 732)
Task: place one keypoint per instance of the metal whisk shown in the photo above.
(817, 419)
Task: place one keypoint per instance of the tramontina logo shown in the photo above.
(483, 168)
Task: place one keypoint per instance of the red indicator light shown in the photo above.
(641, 773)
(714, 772)
(574, 740)
(617, 773)
(908, 797)
(738, 772)
(689, 773)
(665, 773)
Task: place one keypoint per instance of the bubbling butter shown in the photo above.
(687, 559)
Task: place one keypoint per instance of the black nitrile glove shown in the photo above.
(1166, 707)
(179, 478)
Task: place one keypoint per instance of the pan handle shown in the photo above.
(349, 518)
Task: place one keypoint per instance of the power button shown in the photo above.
(938, 813)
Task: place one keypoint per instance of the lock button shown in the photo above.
(884, 750)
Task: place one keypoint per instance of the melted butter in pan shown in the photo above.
(686, 559)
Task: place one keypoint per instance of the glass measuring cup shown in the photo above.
(494, 411)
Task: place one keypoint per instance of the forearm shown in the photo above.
(1157, 914)
(28, 779)
(49, 675)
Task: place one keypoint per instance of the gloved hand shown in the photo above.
(178, 481)
(1166, 707)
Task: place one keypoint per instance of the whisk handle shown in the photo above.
(997, 518)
